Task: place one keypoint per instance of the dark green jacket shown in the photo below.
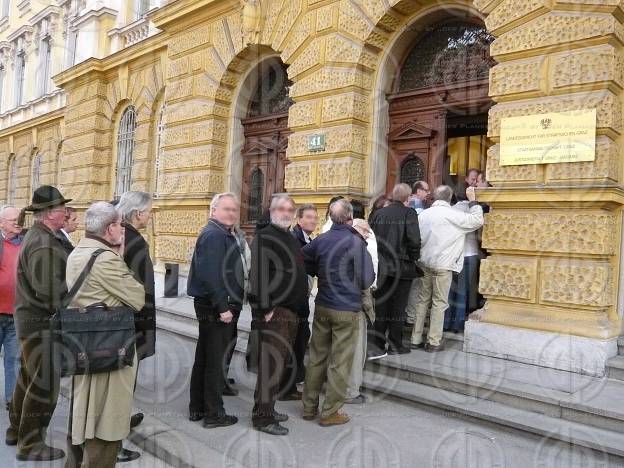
(40, 280)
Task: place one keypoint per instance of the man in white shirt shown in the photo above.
(71, 224)
(442, 233)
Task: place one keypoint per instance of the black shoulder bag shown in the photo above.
(93, 339)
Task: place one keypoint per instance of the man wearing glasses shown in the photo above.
(40, 290)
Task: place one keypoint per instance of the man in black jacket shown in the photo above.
(294, 373)
(278, 287)
(216, 281)
(398, 244)
(40, 291)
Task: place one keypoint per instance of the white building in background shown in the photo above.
(39, 39)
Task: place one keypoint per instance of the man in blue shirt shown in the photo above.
(344, 269)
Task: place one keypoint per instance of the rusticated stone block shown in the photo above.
(584, 232)
(596, 64)
(556, 28)
(303, 113)
(176, 248)
(187, 40)
(497, 173)
(509, 277)
(298, 176)
(346, 106)
(197, 156)
(609, 109)
(578, 282)
(329, 79)
(192, 182)
(520, 76)
(340, 139)
(606, 166)
(509, 11)
(180, 221)
(340, 173)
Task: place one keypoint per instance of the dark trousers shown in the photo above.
(390, 303)
(463, 297)
(210, 366)
(294, 371)
(36, 393)
(277, 337)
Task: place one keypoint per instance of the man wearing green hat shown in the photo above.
(40, 289)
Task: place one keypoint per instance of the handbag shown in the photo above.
(93, 339)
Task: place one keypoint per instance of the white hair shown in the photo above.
(444, 193)
(133, 202)
(278, 198)
(217, 198)
(99, 216)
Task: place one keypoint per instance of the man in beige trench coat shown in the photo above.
(102, 403)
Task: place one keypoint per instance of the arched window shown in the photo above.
(271, 95)
(12, 182)
(450, 53)
(35, 178)
(412, 171)
(160, 143)
(256, 190)
(125, 149)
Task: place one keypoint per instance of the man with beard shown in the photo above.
(278, 287)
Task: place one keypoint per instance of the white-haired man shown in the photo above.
(216, 281)
(442, 232)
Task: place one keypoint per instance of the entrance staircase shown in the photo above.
(585, 411)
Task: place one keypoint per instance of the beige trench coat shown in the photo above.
(103, 402)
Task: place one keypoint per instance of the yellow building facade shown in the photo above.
(553, 279)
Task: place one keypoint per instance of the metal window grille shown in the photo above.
(12, 188)
(412, 171)
(256, 189)
(36, 172)
(158, 163)
(125, 149)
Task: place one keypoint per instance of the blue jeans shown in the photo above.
(463, 294)
(8, 343)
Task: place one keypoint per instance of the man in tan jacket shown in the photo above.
(102, 403)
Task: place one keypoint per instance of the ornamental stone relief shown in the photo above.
(579, 232)
(340, 173)
(520, 76)
(328, 79)
(578, 282)
(346, 106)
(298, 34)
(508, 277)
(298, 176)
(182, 42)
(198, 156)
(308, 58)
(342, 139)
(497, 173)
(557, 28)
(178, 249)
(303, 113)
(195, 182)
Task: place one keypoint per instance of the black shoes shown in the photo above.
(401, 350)
(374, 355)
(280, 417)
(136, 419)
(43, 453)
(10, 438)
(433, 349)
(417, 346)
(125, 455)
(195, 416)
(223, 421)
(273, 429)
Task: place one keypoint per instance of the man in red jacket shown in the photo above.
(9, 253)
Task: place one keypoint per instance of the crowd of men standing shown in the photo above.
(373, 276)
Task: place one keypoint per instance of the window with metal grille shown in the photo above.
(35, 181)
(20, 70)
(256, 190)
(12, 185)
(412, 171)
(160, 143)
(448, 53)
(125, 149)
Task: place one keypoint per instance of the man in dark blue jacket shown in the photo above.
(216, 281)
(344, 269)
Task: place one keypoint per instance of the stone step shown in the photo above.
(554, 428)
(615, 368)
(565, 395)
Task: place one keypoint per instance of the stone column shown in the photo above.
(554, 230)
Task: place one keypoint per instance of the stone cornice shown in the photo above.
(180, 13)
(25, 29)
(96, 66)
(49, 10)
(94, 14)
(34, 122)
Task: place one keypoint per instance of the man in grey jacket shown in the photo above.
(442, 234)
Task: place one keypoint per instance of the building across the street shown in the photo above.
(188, 98)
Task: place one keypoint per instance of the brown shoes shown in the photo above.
(310, 414)
(335, 419)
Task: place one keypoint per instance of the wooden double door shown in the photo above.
(264, 164)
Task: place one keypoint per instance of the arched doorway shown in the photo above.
(265, 130)
(439, 104)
